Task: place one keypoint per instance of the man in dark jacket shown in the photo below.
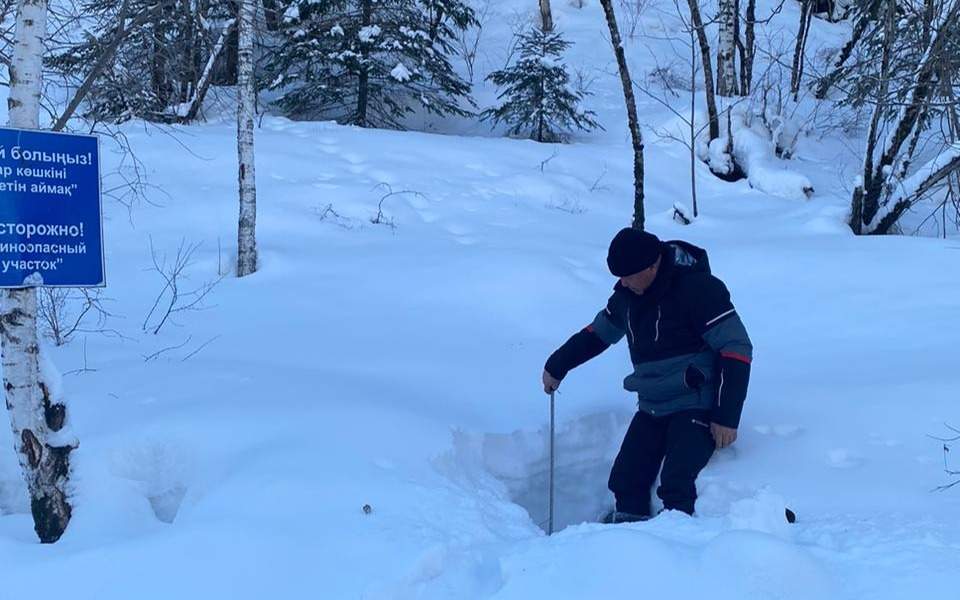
(691, 356)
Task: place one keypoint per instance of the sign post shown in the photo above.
(51, 235)
(51, 232)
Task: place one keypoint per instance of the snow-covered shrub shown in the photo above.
(755, 152)
(752, 154)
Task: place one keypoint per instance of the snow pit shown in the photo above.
(520, 461)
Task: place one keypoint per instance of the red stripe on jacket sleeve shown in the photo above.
(735, 356)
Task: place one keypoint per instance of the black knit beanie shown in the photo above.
(632, 251)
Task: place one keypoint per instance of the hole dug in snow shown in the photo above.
(515, 468)
(584, 450)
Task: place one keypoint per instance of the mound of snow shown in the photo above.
(754, 152)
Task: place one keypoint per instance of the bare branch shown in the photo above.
(172, 298)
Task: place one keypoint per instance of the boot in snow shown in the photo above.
(615, 516)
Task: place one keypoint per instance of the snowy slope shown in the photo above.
(397, 365)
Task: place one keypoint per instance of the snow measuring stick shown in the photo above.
(550, 496)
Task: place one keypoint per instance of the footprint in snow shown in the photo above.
(352, 157)
(461, 234)
(383, 176)
(880, 440)
(587, 275)
(842, 458)
(414, 201)
(483, 169)
(456, 229)
(428, 217)
(785, 431)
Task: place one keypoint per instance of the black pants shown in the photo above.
(681, 442)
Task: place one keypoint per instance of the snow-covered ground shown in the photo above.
(396, 365)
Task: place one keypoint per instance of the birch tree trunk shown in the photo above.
(546, 16)
(634, 124)
(247, 226)
(712, 113)
(726, 49)
(35, 417)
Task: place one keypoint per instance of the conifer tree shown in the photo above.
(536, 97)
(370, 62)
(150, 59)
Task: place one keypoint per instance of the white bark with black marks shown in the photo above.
(247, 226)
(726, 49)
(36, 417)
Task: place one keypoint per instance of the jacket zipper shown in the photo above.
(656, 332)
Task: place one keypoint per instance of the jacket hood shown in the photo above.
(688, 258)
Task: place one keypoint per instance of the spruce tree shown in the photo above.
(147, 57)
(370, 62)
(536, 97)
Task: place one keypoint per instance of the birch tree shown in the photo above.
(247, 225)
(726, 49)
(635, 136)
(36, 417)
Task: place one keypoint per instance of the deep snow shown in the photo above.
(397, 365)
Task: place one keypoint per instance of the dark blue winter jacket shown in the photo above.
(689, 348)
